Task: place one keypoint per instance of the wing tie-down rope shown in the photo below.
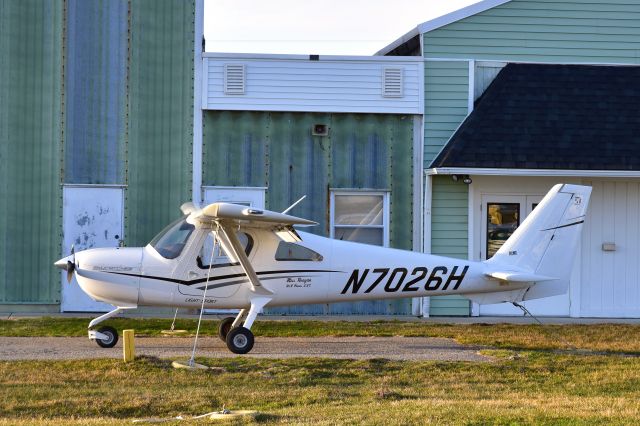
(204, 296)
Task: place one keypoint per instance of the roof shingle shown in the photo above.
(569, 117)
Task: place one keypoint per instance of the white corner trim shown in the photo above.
(472, 86)
(531, 172)
(196, 190)
(459, 14)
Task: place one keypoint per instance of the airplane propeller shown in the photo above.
(69, 265)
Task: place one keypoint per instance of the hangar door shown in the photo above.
(610, 273)
(92, 217)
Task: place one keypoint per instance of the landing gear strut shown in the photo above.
(105, 337)
(239, 338)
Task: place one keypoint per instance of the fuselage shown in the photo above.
(316, 270)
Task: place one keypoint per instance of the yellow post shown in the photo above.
(128, 346)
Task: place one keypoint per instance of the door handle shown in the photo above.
(193, 275)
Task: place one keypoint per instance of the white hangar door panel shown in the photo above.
(92, 217)
(611, 252)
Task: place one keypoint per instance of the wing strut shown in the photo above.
(238, 251)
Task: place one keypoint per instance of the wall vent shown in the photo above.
(392, 82)
(234, 79)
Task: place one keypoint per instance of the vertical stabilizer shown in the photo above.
(547, 241)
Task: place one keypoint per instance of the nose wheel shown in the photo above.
(106, 337)
(109, 337)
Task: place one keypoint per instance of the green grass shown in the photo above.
(527, 387)
(594, 337)
(527, 383)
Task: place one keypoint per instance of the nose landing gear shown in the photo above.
(106, 337)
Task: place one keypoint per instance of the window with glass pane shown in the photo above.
(359, 217)
(219, 257)
(502, 221)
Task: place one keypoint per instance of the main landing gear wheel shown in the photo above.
(224, 327)
(112, 337)
(240, 340)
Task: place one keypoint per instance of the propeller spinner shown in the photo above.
(68, 265)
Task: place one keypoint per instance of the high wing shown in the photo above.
(249, 216)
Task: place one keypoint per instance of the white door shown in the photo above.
(92, 217)
(610, 274)
(253, 197)
(501, 215)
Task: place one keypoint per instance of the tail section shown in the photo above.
(543, 248)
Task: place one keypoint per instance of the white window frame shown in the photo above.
(385, 211)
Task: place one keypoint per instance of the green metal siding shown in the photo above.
(449, 230)
(446, 106)
(31, 35)
(277, 150)
(544, 31)
(95, 91)
(160, 137)
(445, 102)
(239, 155)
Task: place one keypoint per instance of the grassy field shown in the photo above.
(537, 377)
(608, 338)
(527, 387)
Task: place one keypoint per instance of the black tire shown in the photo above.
(240, 340)
(225, 327)
(111, 341)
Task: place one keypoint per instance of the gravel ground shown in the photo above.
(397, 348)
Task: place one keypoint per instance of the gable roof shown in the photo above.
(441, 21)
(558, 117)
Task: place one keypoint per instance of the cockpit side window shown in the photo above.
(296, 252)
(220, 258)
(170, 242)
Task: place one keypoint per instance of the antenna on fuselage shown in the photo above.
(294, 204)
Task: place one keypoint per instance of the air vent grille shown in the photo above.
(392, 82)
(234, 79)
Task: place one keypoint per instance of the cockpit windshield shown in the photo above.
(170, 242)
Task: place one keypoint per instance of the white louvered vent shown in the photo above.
(392, 82)
(234, 79)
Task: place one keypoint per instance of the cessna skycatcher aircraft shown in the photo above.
(237, 257)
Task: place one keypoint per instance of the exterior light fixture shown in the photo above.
(467, 180)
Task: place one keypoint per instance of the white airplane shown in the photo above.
(237, 257)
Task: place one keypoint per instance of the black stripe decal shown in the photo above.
(218, 278)
(564, 226)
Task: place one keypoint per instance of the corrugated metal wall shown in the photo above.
(31, 34)
(277, 150)
(160, 137)
(95, 91)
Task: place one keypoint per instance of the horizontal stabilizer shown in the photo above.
(518, 277)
